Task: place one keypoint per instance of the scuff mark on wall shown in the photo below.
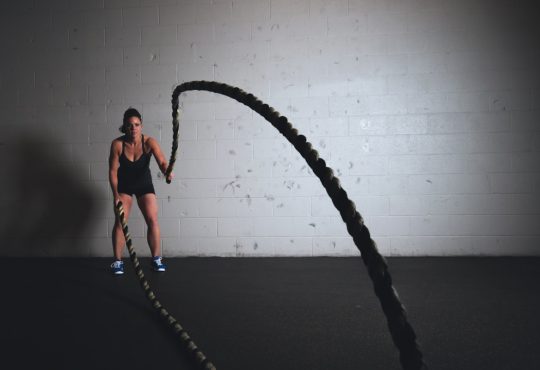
(289, 184)
(233, 185)
(238, 248)
(365, 147)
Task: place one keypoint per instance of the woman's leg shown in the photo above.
(118, 238)
(149, 208)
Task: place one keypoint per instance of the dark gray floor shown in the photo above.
(269, 314)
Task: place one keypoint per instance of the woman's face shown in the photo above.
(134, 126)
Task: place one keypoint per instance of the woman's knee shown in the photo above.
(117, 225)
(152, 222)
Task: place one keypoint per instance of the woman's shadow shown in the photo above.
(47, 205)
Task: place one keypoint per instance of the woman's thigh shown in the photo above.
(149, 207)
(127, 201)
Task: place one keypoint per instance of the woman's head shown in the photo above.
(132, 119)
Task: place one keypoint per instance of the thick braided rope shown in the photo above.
(181, 333)
(401, 331)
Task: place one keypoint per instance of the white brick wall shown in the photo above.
(427, 111)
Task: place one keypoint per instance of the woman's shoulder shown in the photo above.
(149, 141)
(117, 143)
(149, 144)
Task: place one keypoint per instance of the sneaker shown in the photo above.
(157, 264)
(117, 267)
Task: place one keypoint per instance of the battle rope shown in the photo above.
(185, 339)
(401, 331)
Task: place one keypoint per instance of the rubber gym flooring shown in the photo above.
(268, 314)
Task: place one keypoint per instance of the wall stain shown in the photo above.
(289, 184)
(233, 185)
(237, 248)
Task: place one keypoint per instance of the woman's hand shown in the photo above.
(116, 199)
(169, 178)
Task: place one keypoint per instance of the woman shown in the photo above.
(129, 173)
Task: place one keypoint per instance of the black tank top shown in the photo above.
(134, 174)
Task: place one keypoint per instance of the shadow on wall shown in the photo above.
(47, 206)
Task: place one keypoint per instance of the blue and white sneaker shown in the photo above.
(117, 268)
(157, 264)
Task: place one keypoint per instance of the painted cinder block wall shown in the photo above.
(426, 110)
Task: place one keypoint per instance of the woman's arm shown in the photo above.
(159, 156)
(114, 163)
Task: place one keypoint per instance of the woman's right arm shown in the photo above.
(114, 163)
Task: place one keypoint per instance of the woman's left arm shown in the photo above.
(159, 156)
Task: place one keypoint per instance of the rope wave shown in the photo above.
(402, 333)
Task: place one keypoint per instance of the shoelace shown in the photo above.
(117, 264)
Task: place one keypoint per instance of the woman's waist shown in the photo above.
(134, 173)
